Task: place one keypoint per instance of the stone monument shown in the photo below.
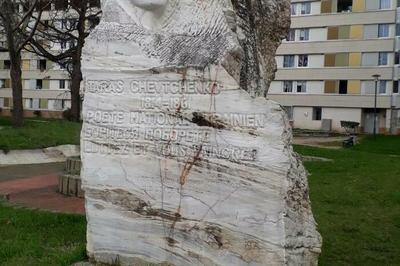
(185, 161)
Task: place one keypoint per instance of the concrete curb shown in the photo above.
(40, 156)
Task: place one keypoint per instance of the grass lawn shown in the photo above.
(40, 238)
(38, 133)
(356, 202)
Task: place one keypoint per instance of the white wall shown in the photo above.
(341, 114)
(52, 106)
(315, 7)
(392, 30)
(315, 35)
(33, 65)
(313, 87)
(314, 61)
(276, 87)
(302, 118)
(29, 84)
(55, 84)
(368, 87)
(318, 34)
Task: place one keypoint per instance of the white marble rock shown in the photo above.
(185, 161)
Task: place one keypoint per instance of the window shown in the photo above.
(397, 29)
(7, 64)
(39, 84)
(62, 84)
(371, 59)
(41, 65)
(291, 36)
(294, 9)
(29, 103)
(370, 31)
(344, 6)
(382, 87)
(333, 33)
(384, 4)
(301, 86)
(289, 111)
(396, 86)
(7, 102)
(306, 8)
(317, 114)
(303, 61)
(288, 86)
(2, 83)
(343, 86)
(397, 58)
(383, 59)
(59, 105)
(43, 104)
(304, 34)
(62, 65)
(288, 61)
(383, 30)
(35, 104)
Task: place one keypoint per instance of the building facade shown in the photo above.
(45, 87)
(45, 84)
(326, 65)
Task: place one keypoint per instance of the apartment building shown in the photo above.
(45, 84)
(326, 65)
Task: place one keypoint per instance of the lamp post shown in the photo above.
(376, 78)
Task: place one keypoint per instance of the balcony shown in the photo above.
(336, 73)
(37, 94)
(350, 18)
(335, 100)
(336, 46)
(37, 74)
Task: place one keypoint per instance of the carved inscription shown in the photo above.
(160, 125)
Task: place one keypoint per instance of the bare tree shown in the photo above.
(18, 22)
(61, 38)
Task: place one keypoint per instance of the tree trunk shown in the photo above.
(16, 84)
(76, 76)
(76, 79)
(76, 97)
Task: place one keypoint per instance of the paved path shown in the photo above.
(20, 171)
(321, 142)
(35, 186)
